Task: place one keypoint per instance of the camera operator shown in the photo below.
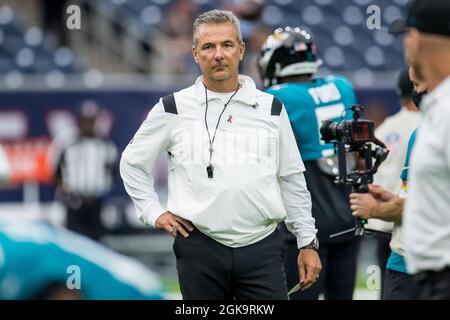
(287, 65)
(395, 131)
(382, 204)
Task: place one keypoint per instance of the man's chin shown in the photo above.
(220, 76)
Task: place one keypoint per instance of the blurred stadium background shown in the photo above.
(126, 55)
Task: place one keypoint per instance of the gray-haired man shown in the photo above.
(234, 173)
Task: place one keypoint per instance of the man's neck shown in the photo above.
(410, 106)
(437, 79)
(438, 71)
(221, 86)
(88, 134)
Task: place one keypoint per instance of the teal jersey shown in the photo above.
(34, 255)
(396, 262)
(308, 104)
(412, 140)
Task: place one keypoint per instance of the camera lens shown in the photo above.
(328, 130)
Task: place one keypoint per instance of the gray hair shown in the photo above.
(216, 17)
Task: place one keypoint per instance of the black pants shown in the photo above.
(209, 270)
(85, 220)
(337, 278)
(434, 285)
(399, 286)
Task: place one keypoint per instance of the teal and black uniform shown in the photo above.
(35, 255)
(398, 284)
(308, 104)
(396, 261)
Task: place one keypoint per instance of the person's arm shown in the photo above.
(297, 202)
(136, 163)
(378, 203)
(59, 169)
(295, 195)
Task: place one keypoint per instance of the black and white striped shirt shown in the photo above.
(87, 166)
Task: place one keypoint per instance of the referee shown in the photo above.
(85, 173)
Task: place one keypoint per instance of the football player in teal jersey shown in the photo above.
(40, 261)
(287, 65)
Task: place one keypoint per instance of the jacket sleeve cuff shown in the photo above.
(305, 239)
(151, 214)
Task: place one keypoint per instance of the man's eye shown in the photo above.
(228, 45)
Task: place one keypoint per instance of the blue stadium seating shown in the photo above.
(343, 39)
(26, 50)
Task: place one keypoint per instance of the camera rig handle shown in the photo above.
(360, 179)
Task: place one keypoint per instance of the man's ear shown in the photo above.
(195, 53)
(241, 50)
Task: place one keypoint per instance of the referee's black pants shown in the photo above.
(209, 270)
(86, 220)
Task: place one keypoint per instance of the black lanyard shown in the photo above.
(210, 168)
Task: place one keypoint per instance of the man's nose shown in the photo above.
(218, 55)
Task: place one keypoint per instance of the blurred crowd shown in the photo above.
(154, 37)
(175, 55)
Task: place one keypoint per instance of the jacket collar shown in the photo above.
(245, 94)
(438, 94)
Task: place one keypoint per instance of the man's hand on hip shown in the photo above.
(173, 223)
(309, 267)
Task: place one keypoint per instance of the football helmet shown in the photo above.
(287, 51)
